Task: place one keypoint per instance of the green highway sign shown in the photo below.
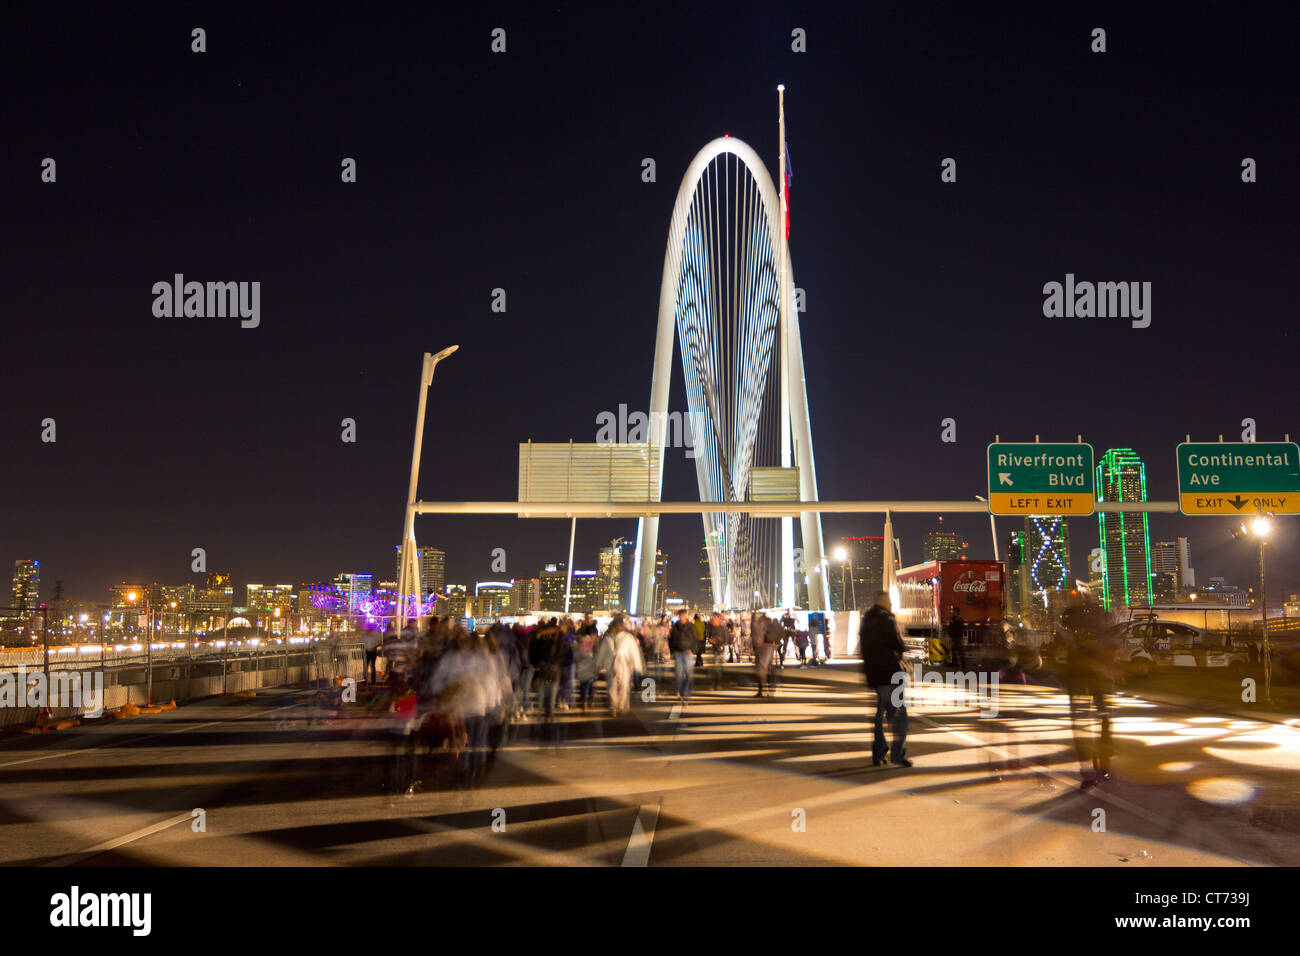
(1239, 477)
(1041, 479)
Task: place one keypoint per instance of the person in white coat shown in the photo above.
(620, 657)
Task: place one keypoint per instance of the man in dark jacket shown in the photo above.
(882, 660)
(762, 632)
(682, 641)
(957, 638)
(547, 650)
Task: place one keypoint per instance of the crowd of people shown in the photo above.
(458, 695)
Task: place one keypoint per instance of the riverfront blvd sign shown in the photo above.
(1239, 478)
(1037, 479)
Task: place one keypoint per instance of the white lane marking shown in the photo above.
(643, 836)
(116, 842)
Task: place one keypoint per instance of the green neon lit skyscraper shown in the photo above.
(1125, 536)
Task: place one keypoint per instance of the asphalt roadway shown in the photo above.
(729, 780)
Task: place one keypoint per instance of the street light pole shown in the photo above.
(148, 612)
(1259, 527)
(408, 572)
(1263, 618)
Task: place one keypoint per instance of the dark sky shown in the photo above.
(522, 171)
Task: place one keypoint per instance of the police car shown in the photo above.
(1147, 645)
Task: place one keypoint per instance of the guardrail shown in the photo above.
(186, 676)
(80, 657)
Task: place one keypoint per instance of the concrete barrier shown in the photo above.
(187, 680)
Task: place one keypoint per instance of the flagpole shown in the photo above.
(789, 593)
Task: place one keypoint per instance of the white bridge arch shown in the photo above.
(743, 366)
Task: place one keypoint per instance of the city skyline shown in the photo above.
(868, 577)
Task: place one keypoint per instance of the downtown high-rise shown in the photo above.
(432, 568)
(27, 585)
(1044, 567)
(1172, 574)
(855, 580)
(1125, 536)
(944, 545)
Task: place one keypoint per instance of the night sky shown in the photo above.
(522, 171)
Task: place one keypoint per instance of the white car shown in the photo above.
(1146, 645)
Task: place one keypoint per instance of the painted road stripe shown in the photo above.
(643, 836)
(116, 842)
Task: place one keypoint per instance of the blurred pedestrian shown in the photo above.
(370, 643)
(1090, 669)
(763, 634)
(882, 663)
(547, 651)
(956, 638)
(681, 642)
(620, 657)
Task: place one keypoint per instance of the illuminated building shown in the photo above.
(1125, 536)
(660, 582)
(355, 589)
(855, 582)
(943, 545)
(263, 598)
(586, 590)
(27, 585)
(432, 565)
(706, 578)
(525, 595)
(1172, 573)
(493, 598)
(456, 601)
(1046, 567)
(1019, 583)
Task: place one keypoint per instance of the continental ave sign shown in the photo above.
(1239, 478)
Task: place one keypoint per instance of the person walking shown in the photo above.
(882, 662)
(715, 633)
(547, 650)
(763, 633)
(1090, 670)
(816, 635)
(370, 642)
(681, 642)
(621, 659)
(787, 633)
(957, 638)
(584, 667)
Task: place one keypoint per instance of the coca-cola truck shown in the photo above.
(927, 594)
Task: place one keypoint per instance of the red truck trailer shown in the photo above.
(928, 592)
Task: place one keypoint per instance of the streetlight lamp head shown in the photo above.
(1260, 526)
(445, 352)
(841, 554)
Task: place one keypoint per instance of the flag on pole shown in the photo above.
(789, 177)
